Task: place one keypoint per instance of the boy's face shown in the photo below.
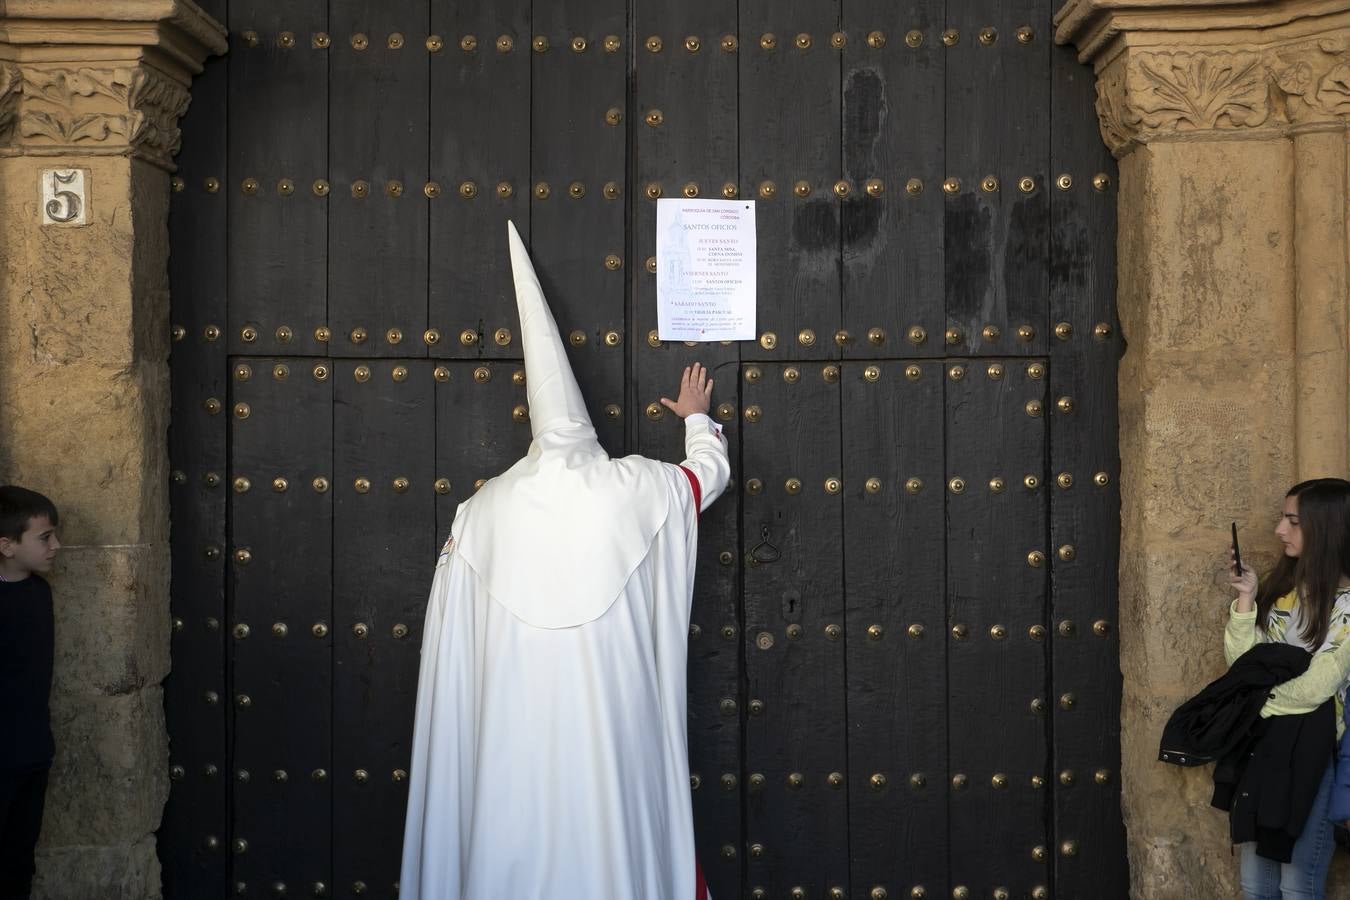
(35, 549)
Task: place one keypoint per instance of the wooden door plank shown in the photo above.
(377, 273)
(480, 162)
(278, 142)
(196, 809)
(996, 606)
(1085, 503)
(893, 160)
(795, 753)
(790, 163)
(384, 553)
(577, 160)
(997, 222)
(895, 615)
(281, 567)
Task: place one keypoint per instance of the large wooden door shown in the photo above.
(903, 669)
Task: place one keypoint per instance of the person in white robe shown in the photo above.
(549, 755)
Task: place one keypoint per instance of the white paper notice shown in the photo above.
(705, 270)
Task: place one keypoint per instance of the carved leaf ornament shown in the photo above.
(1198, 90)
(1333, 94)
(62, 87)
(1307, 94)
(1118, 123)
(121, 106)
(1295, 79)
(1155, 93)
(11, 82)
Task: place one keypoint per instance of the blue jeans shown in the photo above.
(1305, 876)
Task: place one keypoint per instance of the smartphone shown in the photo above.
(1237, 556)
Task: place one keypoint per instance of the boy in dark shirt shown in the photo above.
(28, 545)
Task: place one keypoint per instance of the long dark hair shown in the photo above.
(1324, 519)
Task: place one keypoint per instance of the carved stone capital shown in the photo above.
(1207, 70)
(1312, 79)
(104, 78)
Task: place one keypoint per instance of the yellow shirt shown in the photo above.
(1327, 673)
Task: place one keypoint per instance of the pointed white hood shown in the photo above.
(554, 396)
(556, 537)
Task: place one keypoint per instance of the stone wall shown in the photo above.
(1231, 134)
(84, 401)
(84, 386)
(1207, 436)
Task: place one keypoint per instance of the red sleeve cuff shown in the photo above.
(698, 490)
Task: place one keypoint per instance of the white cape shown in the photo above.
(552, 762)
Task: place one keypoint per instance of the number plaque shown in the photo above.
(65, 197)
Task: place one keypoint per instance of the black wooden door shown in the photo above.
(903, 676)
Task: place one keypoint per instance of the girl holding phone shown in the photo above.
(1305, 601)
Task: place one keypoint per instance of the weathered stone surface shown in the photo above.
(83, 371)
(1188, 473)
(106, 419)
(1323, 305)
(116, 872)
(1209, 252)
(1208, 400)
(110, 777)
(112, 625)
(69, 266)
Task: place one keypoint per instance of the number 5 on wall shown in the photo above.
(65, 196)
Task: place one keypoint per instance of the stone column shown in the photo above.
(1320, 282)
(96, 88)
(1230, 125)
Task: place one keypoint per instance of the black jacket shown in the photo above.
(1268, 770)
(25, 675)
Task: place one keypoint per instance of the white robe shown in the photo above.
(552, 762)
